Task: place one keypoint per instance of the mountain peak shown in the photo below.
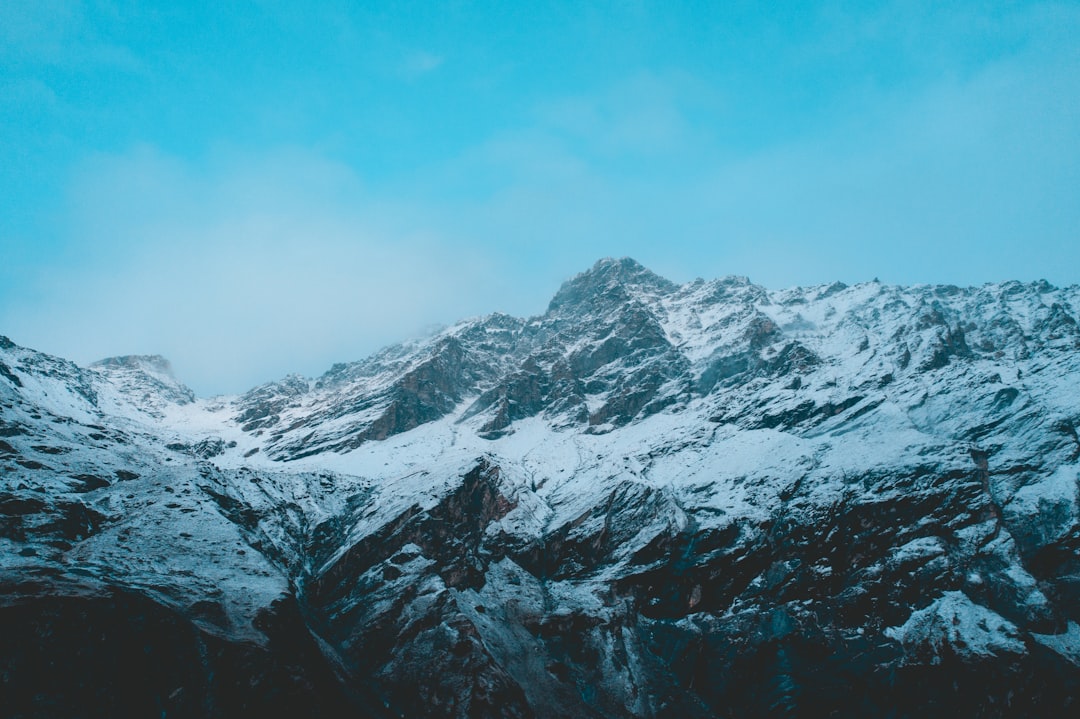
(145, 376)
(883, 477)
(155, 364)
(608, 274)
(625, 270)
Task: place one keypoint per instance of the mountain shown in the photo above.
(653, 500)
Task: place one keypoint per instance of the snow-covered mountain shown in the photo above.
(696, 500)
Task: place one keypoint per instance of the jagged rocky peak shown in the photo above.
(146, 379)
(260, 407)
(60, 375)
(153, 364)
(652, 501)
(732, 288)
(609, 281)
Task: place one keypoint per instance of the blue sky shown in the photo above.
(254, 188)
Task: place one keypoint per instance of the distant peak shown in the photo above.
(621, 262)
(609, 273)
(625, 269)
(147, 363)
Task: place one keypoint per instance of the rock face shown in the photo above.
(653, 500)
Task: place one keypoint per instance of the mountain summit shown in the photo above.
(653, 500)
(609, 280)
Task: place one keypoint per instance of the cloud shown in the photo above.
(963, 181)
(420, 63)
(242, 269)
(62, 34)
(956, 177)
(244, 265)
(643, 115)
(29, 28)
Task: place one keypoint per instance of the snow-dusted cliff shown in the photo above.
(710, 499)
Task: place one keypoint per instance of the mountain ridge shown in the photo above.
(651, 500)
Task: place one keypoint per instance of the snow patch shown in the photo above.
(1066, 644)
(1047, 508)
(969, 629)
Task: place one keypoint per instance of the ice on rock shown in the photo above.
(957, 622)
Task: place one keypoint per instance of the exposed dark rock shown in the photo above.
(111, 652)
(90, 482)
(606, 282)
(692, 501)
(211, 447)
(10, 376)
(262, 405)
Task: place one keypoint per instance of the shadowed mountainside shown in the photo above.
(653, 500)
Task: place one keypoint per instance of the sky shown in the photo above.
(258, 188)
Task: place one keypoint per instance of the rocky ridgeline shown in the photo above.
(695, 500)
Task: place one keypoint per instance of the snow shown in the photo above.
(917, 550)
(955, 621)
(1050, 502)
(1067, 644)
(705, 462)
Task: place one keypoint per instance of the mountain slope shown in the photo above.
(707, 499)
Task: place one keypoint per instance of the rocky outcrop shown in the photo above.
(73, 649)
(653, 500)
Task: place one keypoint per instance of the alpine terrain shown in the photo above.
(653, 500)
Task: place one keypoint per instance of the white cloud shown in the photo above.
(960, 178)
(420, 63)
(243, 270)
(246, 266)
